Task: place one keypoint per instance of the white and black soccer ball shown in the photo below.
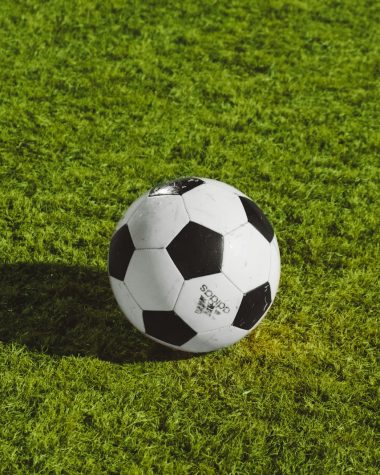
(194, 264)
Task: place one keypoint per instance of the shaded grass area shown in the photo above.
(98, 102)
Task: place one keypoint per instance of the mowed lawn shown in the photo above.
(99, 101)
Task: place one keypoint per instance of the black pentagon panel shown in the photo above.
(167, 327)
(197, 251)
(257, 218)
(253, 306)
(176, 187)
(120, 253)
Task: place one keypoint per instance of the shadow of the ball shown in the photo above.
(70, 310)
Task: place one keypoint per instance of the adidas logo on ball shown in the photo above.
(214, 300)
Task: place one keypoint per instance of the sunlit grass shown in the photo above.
(99, 101)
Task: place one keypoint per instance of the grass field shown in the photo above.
(101, 100)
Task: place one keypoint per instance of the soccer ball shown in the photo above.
(194, 264)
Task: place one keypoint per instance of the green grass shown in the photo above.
(101, 100)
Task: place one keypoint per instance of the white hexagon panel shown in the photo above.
(246, 259)
(153, 279)
(127, 303)
(223, 186)
(214, 339)
(209, 302)
(215, 208)
(131, 210)
(157, 220)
